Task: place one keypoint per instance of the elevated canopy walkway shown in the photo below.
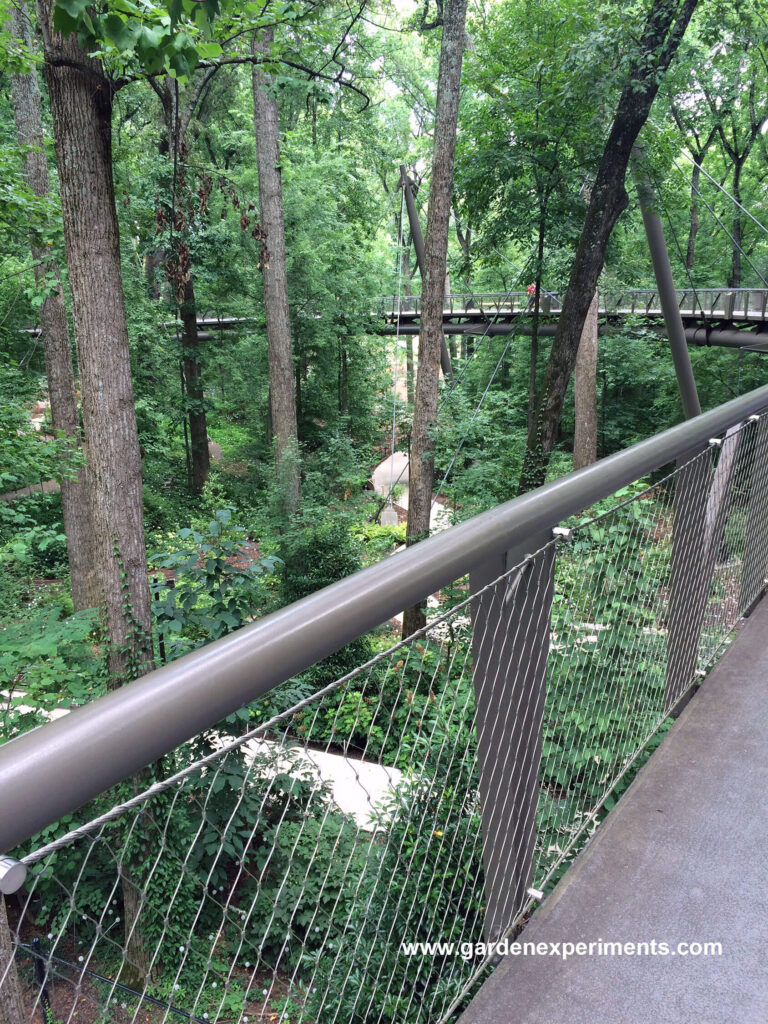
(711, 316)
(680, 864)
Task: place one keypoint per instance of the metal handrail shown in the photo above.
(54, 769)
(753, 300)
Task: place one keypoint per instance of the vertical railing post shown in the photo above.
(12, 875)
(700, 511)
(687, 590)
(510, 643)
(755, 563)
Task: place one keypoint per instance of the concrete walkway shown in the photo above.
(683, 858)
(399, 474)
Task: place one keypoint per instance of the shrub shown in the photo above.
(216, 588)
(47, 662)
(422, 882)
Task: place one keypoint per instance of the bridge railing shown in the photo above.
(257, 828)
(725, 303)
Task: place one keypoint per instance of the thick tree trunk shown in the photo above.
(664, 28)
(11, 1006)
(25, 94)
(81, 106)
(282, 398)
(433, 286)
(585, 393)
(195, 396)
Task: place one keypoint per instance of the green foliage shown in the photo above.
(378, 540)
(606, 690)
(173, 36)
(28, 457)
(299, 911)
(319, 550)
(479, 451)
(47, 663)
(217, 586)
(386, 711)
(431, 825)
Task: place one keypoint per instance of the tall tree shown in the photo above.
(699, 139)
(422, 467)
(81, 97)
(282, 399)
(25, 95)
(177, 117)
(738, 138)
(585, 392)
(662, 32)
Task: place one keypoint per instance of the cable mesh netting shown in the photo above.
(286, 864)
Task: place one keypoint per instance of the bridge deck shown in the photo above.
(682, 858)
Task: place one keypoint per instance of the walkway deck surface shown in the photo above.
(682, 858)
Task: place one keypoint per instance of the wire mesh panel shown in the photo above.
(273, 875)
(334, 851)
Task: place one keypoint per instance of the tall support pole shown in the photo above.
(755, 562)
(692, 567)
(418, 244)
(666, 286)
(510, 643)
(700, 496)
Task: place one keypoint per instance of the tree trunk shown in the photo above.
(344, 381)
(81, 106)
(25, 94)
(195, 401)
(433, 285)
(282, 398)
(535, 320)
(136, 966)
(693, 230)
(408, 291)
(585, 393)
(173, 143)
(153, 264)
(664, 28)
(735, 278)
(11, 1006)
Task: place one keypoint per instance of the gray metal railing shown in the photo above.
(56, 768)
(485, 747)
(747, 304)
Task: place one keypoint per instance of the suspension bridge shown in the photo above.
(736, 318)
(730, 317)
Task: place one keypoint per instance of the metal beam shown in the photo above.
(701, 337)
(666, 286)
(50, 771)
